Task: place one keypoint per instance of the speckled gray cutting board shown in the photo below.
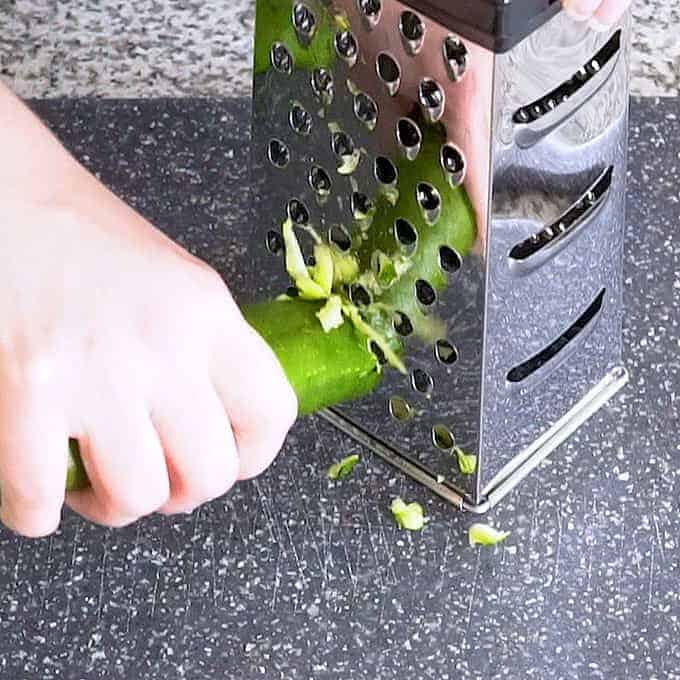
(293, 576)
(202, 48)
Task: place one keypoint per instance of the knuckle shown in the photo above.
(200, 490)
(35, 524)
(289, 408)
(140, 503)
(211, 287)
(282, 416)
(258, 453)
(35, 498)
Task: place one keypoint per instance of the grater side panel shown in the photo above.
(451, 398)
(554, 301)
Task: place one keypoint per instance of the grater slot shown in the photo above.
(559, 350)
(539, 248)
(541, 117)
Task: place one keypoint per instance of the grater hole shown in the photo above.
(361, 205)
(425, 293)
(528, 368)
(338, 235)
(453, 164)
(400, 409)
(432, 99)
(409, 138)
(279, 153)
(389, 72)
(323, 85)
(281, 59)
(297, 211)
(344, 148)
(292, 292)
(359, 295)
(446, 353)
(376, 350)
(412, 31)
(430, 202)
(443, 438)
(559, 95)
(385, 171)
(405, 233)
(371, 11)
(347, 47)
(300, 120)
(342, 144)
(456, 56)
(320, 181)
(304, 23)
(366, 110)
(422, 382)
(449, 260)
(402, 324)
(274, 242)
(568, 222)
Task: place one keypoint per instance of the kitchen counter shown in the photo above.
(292, 576)
(194, 48)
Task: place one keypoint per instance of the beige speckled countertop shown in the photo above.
(177, 48)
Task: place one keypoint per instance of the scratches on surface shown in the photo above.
(192, 563)
(501, 575)
(296, 556)
(227, 547)
(473, 594)
(277, 581)
(388, 551)
(213, 566)
(657, 530)
(72, 568)
(348, 564)
(270, 517)
(622, 545)
(102, 576)
(650, 588)
(558, 548)
(48, 571)
(372, 541)
(133, 580)
(443, 565)
(156, 581)
(308, 523)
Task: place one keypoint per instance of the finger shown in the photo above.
(33, 463)
(608, 14)
(256, 394)
(581, 10)
(199, 447)
(124, 460)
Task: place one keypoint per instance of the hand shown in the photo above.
(602, 14)
(112, 334)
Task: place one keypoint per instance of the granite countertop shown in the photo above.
(179, 48)
(292, 576)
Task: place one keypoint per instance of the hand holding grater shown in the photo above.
(471, 156)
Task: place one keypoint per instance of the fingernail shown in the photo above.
(598, 26)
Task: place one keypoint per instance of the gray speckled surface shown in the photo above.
(176, 48)
(294, 577)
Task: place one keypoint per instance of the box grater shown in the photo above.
(535, 108)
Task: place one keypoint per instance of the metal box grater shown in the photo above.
(535, 108)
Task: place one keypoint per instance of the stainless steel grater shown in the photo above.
(535, 108)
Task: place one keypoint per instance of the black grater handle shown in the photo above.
(498, 25)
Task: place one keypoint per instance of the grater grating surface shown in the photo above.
(529, 333)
